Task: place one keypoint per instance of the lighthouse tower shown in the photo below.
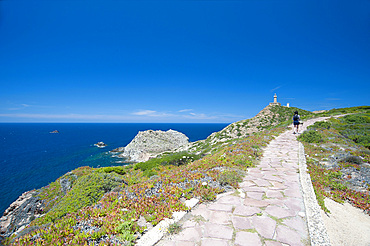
(275, 101)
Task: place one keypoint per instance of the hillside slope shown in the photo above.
(269, 117)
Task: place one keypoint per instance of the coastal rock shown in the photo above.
(66, 181)
(120, 149)
(148, 144)
(20, 213)
(100, 145)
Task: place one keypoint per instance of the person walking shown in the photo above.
(296, 119)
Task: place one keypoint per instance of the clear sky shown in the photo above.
(179, 61)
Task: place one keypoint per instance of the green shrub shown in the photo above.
(143, 166)
(149, 173)
(116, 169)
(310, 137)
(175, 159)
(345, 111)
(320, 124)
(355, 127)
(231, 177)
(356, 119)
(124, 231)
(352, 159)
(87, 191)
(335, 175)
(174, 228)
(338, 186)
(364, 140)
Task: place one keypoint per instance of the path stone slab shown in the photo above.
(218, 231)
(230, 199)
(244, 238)
(292, 193)
(255, 189)
(288, 236)
(279, 212)
(255, 203)
(241, 223)
(294, 204)
(255, 195)
(219, 217)
(277, 186)
(221, 207)
(269, 169)
(247, 183)
(246, 210)
(189, 223)
(202, 211)
(262, 182)
(273, 178)
(189, 234)
(274, 194)
(276, 201)
(214, 242)
(297, 224)
(265, 226)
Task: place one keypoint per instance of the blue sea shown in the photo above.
(31, 157)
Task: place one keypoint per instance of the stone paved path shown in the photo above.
(268, 209)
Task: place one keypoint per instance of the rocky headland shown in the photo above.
(148, 144)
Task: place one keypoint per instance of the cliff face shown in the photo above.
(148, 144)
(20, 213)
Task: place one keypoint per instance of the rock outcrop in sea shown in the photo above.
(148, 144)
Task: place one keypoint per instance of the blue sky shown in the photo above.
(179, 61)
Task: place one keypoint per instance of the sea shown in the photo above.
(32, 157)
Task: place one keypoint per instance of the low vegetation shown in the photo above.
(338, 157)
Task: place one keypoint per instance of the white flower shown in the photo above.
(204, 183)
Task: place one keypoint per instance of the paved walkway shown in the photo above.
(268, 209)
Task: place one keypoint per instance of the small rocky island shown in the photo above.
(100, 145)
(148, 144)
(55, 131)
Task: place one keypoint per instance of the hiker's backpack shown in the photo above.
(296, 117)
